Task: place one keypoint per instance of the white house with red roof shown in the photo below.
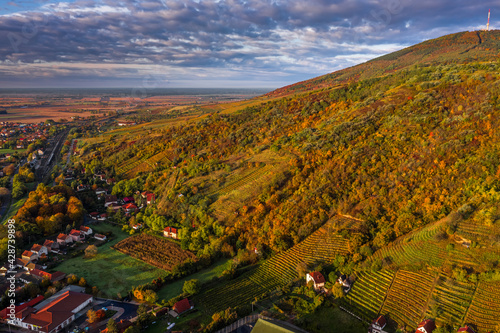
(171, 232)
(378, 325)
(427, 326)
(29, 256)
(86, 230)
(64, 239)
(466, 329)
(39, 250)
(317, 278)
(100, 237)
(77, 235)
(130, 208)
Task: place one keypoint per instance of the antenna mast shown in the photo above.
(488, 25)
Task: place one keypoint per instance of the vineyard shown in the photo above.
(485, 307)
(408, 296)
(367, 294)
(130, 168)
(413, 253)
(322, 245)
(450, 300)
(155, 251)
(244, 180)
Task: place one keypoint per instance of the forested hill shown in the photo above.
(398, 150)
(460, 47)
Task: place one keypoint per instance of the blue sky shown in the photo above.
(212, 43)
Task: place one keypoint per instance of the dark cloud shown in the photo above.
(227, 39)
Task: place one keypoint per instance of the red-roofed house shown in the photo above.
(467, 329)
(86, 230)
(378, 325)
(39, 250)
(149, 196)
(183, 306)
(64, 239)
(56, 276)
(427, 326)
(130, 207)
(317, 278)
(171, 232)
(51, 246)
(28, 255)
(77, 235)
(100, 237)
(54, 316)
(110, 200)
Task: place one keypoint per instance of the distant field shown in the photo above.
(37, 115)
(111, 271)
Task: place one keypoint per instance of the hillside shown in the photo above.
(406, 143)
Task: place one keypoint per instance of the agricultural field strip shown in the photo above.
(407, 290)
(485, 306)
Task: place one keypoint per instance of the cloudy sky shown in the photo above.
(212, 43)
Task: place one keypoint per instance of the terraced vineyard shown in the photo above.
(452, 298)
(250, 177)
(484, 310)
(275, 272)
(473, 230)
(367, 294)
(413, 253)
(408, 296)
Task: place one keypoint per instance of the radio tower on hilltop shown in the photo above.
(488, 24)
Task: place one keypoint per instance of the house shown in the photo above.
(377, 325)
(317, 278)
(53, 316)
(51, 246)
(102, 217)
(128, 200)
(110, 200)
(86, 230)
(77, 235)
(29, 256)
(344, 281)
(171, 232)
(64, 239)
(22, 263)
(100, 191)
(27, 278)
(100, 237)
(40, 274)
(94, 215)
(39, 250)
(82, 187)
(110, 181)
(116, 207)
(100, 176)
(32, 266)
(182, 306)
(137, 226)
(467, 329)
(427, 326)
(130, 208)
(149, 197)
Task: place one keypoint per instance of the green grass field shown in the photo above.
(111, 271)
(14, 207)
(11, 151)
(327, 319)
(175, 288)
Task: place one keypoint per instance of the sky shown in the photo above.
(147, 44)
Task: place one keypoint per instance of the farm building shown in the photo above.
(317, 278)
(182, 306)
(377, 325)
(427, 326)
(171, 232)
(100, 237)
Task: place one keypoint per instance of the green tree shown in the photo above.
(191, 287)
(111, 326)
